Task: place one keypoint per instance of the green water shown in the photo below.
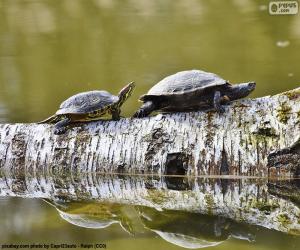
(244, 216)
(51, 49)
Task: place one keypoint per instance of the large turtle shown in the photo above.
(88, 106)
(192, 90)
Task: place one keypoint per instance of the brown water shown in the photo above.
(51, 49)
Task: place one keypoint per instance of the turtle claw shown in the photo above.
(145, 110)
(217, 103)
(139, 114)
(59, 131)
(62, 126)
(220, 110)
(115, 115)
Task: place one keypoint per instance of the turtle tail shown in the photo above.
(125, 93)
(51, 119)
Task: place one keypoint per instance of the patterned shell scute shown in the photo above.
(87, 102)
(186, 81)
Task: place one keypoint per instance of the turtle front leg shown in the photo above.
(62, 126)
(145, 110)
(115, 114)
(217, 102)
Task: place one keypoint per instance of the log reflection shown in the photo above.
(185, 211)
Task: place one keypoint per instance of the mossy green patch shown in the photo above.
(158, 197)
(284, 219)
(266, 132)
(283, 113)
(210, 203)
(293, 94)
(82, 137)
(210, 128)
(266, 207)
(294, 231)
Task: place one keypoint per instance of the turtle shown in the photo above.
(192, 90)
(88, 106)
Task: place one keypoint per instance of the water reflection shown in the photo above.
(191, 212)
(96, 215)
(283, 44)
(181, 228)
(287, 189)
(191, 230)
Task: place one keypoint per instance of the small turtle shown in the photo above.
(192, 90)
(88, 106)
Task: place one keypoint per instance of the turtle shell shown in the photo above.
(87, 102)
(184, 82)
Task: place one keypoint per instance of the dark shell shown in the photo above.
(87, 102)
(184, 82)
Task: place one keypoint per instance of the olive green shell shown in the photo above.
(185, 82)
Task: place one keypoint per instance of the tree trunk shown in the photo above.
(237, 142)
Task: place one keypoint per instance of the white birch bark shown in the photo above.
(237, 142)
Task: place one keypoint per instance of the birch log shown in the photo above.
(237, 142)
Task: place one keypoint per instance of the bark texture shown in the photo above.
(237, 142)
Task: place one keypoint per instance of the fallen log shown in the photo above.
(237, 142)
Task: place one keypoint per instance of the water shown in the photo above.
(50, 50)
(224, 213)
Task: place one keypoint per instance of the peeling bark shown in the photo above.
(237, 142)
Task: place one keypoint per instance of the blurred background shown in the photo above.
(52, 49)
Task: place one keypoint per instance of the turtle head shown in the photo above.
(240, 90)
(126, 92)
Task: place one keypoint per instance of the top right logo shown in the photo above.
(283, 8)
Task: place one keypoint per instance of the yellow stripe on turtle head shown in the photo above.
(125, 93)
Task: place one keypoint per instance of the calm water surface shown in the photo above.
(50, 50)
